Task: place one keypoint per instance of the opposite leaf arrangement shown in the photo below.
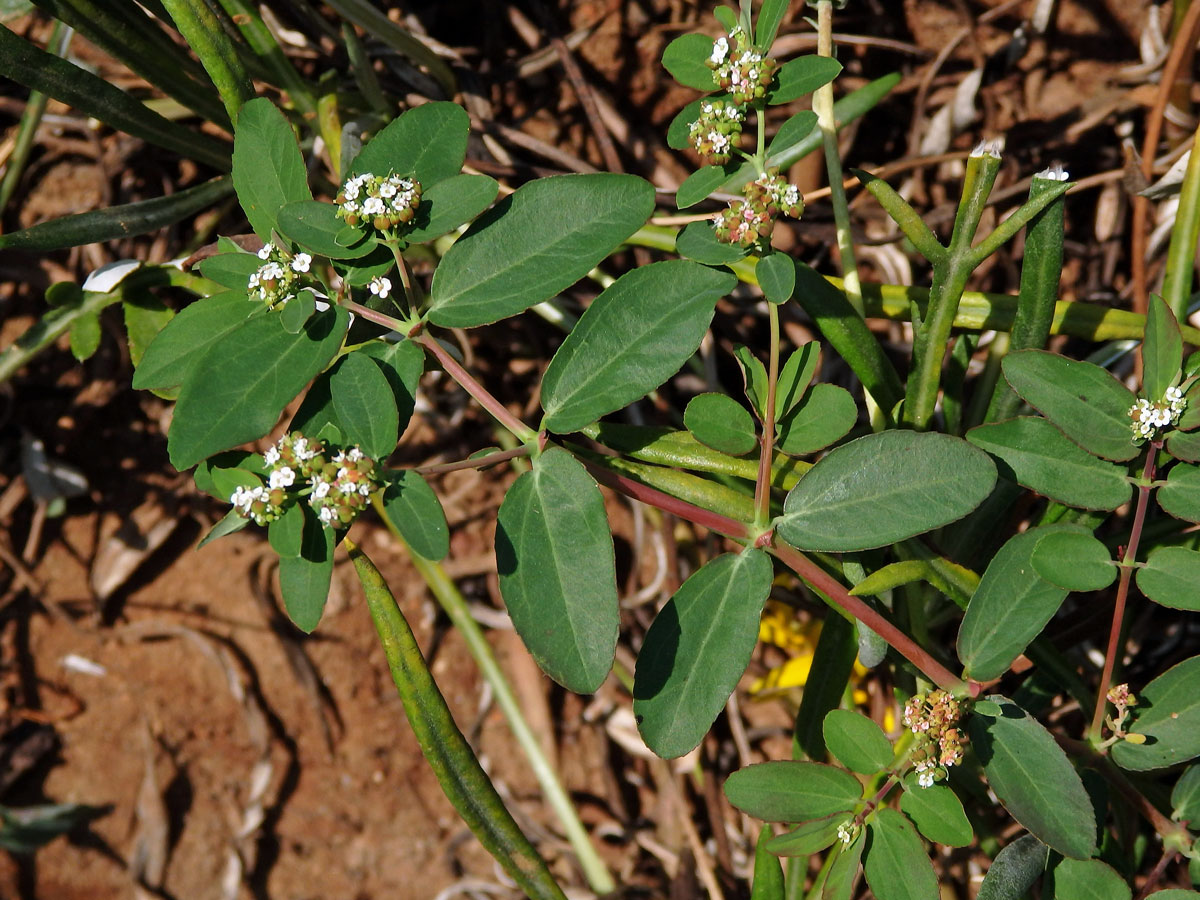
(851, 493)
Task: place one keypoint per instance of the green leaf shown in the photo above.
(1185, 797)
(698, 241)
(365, 405)
(449, 204)
(428, 142)
(24, 829)
(1184, 445)
(315, 227)
(787, 791)
(403, 363)
(701, 183)
(85, 336)
(727, 17)
(1174, 894)
(359, 272)
(304, 580)
(834, 658)
(286, 534)
(895, 863)
(1010, 607)
(825, 415)
(809, 837)
(768, 873)
(1180, 496)
(686, 58)
(534, 243)
(776, 274)
(1032, 452)
(297, 311)
(937, 812)
(697, 649)
(26, 64)
(1033, 779)
(857, 742)
(1088, 879)
(1083, 400)
(145, 317)
(1074, 561)
(1015, 869)
(1162, 349)
(720, 422)
(243, 460)
(226, 480)
(231, 523)
(316, 413)
(268, 170)
(883, 488)
(231, 270)
(843, 872)
(115, 222)
(681, 126)
(795, 376)
(801, 76)
(237, 390)
(770, 14)
(1168, 713)
(414, 509)
(792, 132)
(554, 555)
(632, 338)
(1171, 577)
(754, 377)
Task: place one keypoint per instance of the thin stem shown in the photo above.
(393, 244)
(374, 315)
(1118, 619)
(477, 462)
(523, 432)
(455, 606)
(762, 486)
(827, 122)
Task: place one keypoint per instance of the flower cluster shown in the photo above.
(752, 219)
(848, 831)
(337, 486)
(714, 135)
(933, 718)
(739, 68)
(279, 277)
(384, 201)
(1148, 419)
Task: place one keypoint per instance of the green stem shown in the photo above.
(260, 40)
(35, 106)
(762, 484)
(455, 606)
(204, 34)
(463, 780)
(823, 106)
(369, 18)
(1181, 252)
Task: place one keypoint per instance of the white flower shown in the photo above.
(373, 206)
(320, 489)
(301, 262)
(270, 270)
(354, 454)
(327, 514)
(302, 450)
(271, 456)
(925, 779)
(282, 477)
(380, 287)
(720, 51)
(387, 189)
(266, 251)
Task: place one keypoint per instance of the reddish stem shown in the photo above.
(476, 462)
(1118, 619)
(522, 431)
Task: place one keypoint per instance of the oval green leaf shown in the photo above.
(1162, 349)
(787, 791)
(1185, 797)
(1074, 561)
(268, 170)
(768, 873)
(534, 243)
(1010, 607)
(1180, 496)
(795, 376)
(856, 742)
(808, 838)
(402, 363)
(686, 58)
(1184, 445)
(884, 488)
(776, 274)
(449, 204)
(231, 270)
(411, 505)
(286, 534)
(632, 338)
(237, 390)
(1014, 870)
(1088, 879)
(1036, 455)
(824, 416)
(1033, 779)
(937, 812)
(698, 241)
(895, 863)
(1083, 400)
(365, 405)
(701, 183)
(554, 555)
(304, 580)
(720, 422)
(1171, 577)
(697, 649)
(801, 76)
(1168, 714)
(428, 142)
(315, 227)
(792, 132)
